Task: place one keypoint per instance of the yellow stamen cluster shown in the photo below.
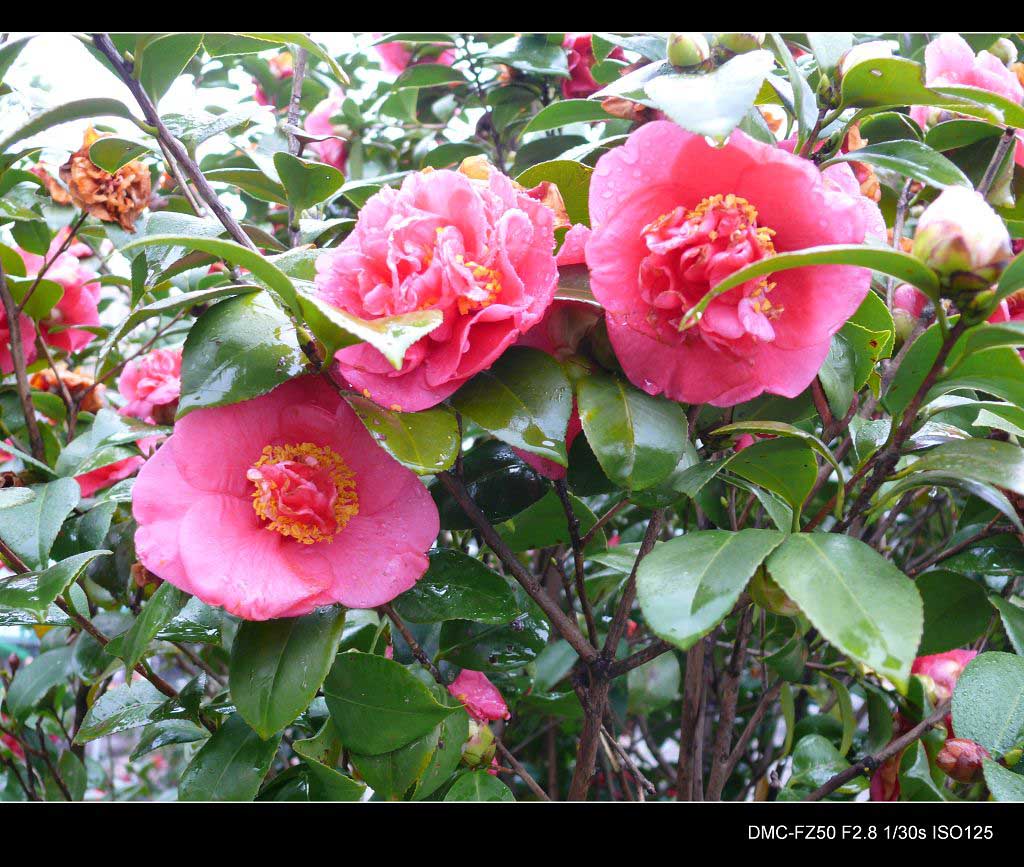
(346, 505)
(489, 277)
(730, 201)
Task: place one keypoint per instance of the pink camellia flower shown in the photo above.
(27, 330)
(579, 49)
(478, 251)
(950, 61)
(395, 57)
(943, 670)
(481, 697)
(318, 122)
(700, 214)
(78, 305)
(281, 504)
(150, 382)
(96, 480)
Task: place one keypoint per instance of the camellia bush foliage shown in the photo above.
(508, 417)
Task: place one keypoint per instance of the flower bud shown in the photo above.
(739, 43)
(687, 49)
(770, 596)
(478, 751)
(1004, 50)
(961, 238)
(960, 759)
(876, 50)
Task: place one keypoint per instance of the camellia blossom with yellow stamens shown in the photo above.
(478, 249)
(674, 216)
(278, 505)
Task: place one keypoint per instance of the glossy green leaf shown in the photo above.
(428, 75)
(653, 685)
(306, 182)
(125, 707)
(911, 159)
(856, 599)
(1004, 784)
(230, 766)
(544, 524)
(111, 153)
(784, 466)
(277, 666)
(457, 587)
(638, 439)
(392, 774)
(524, 399)
(956, 611)
(238, 349)
(80, 109)
(497, 647)
(988, 701)
(252, 181)
(30, 529)
(479, 786)
(377, 705)
(687, 585)
(565, 112)
(163, 60)
(1012, 616)
(33, 681)
(915, 776)
(990, 461)
(573, 182)
(35, 591)
(426, 442)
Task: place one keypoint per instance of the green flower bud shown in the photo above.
(480, 748)
(1004, 49)
(687, 49)
(739, 43)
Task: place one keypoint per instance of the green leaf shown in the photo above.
(784, 466)
(805, 106)
(277, 666)
(713, 103)
(163, 60)
(687, 585)
(1013, 621)
(828, 49)
(524, 399)
(44, 297)
(897, 264)
(34, 236)
(426, 442)
(110, 153)
(531, 53)
(653, 685)
(988, 702)
(303, 41)
(911, 159)
(33, 681)
(162, 607)
(479, 786)
(230, 766)
(956, 611)
(166, 733)
(457, 587)
(990, 461)
(453, 734)
(238, 349)
(377, 705)
(856, 599)
(565, 112)
(1004, 784)
(573, 182)
(35, 591)
(428, 75)
(80, 109)
(9, 52)
(544, 524)
(31, 529)
(306, 182)
(11, 497)
(486, 647)
(390, 335)
(252, 181)
(390, 775)
(915, 776)
(638, 439)
(125, 707)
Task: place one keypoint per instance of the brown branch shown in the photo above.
(603, 520)
(652, 651)
(693, 689)
(727, 708)
(577, 554)
(294, 145)
(421, 655)
(767, 699)
(524, 774)
(618, 624)
(869, 763)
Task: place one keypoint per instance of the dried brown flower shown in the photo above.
(114, 198)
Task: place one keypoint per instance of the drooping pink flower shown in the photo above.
(78, 304)
(149, 382)
(674, 216)
(395, 57)
(103, 477)
(332, 150)
(481, 697)
(478, 251)
(579, 49)
(281, 504)
(944, 670)
(950, 61)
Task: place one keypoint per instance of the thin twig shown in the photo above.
(20, 374)
(524, 774)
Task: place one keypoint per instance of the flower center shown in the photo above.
(692, 251)
(303, 491)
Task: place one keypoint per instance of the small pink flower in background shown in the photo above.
(580, 54)
(281, 67)
(104, 477)
(151, 382)
(910, 299)
(395, 57)
(281, 504)
(78, 305)
(479, 251)
(950, 61)
(332, 150)
(700, 214)
(481, 697)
